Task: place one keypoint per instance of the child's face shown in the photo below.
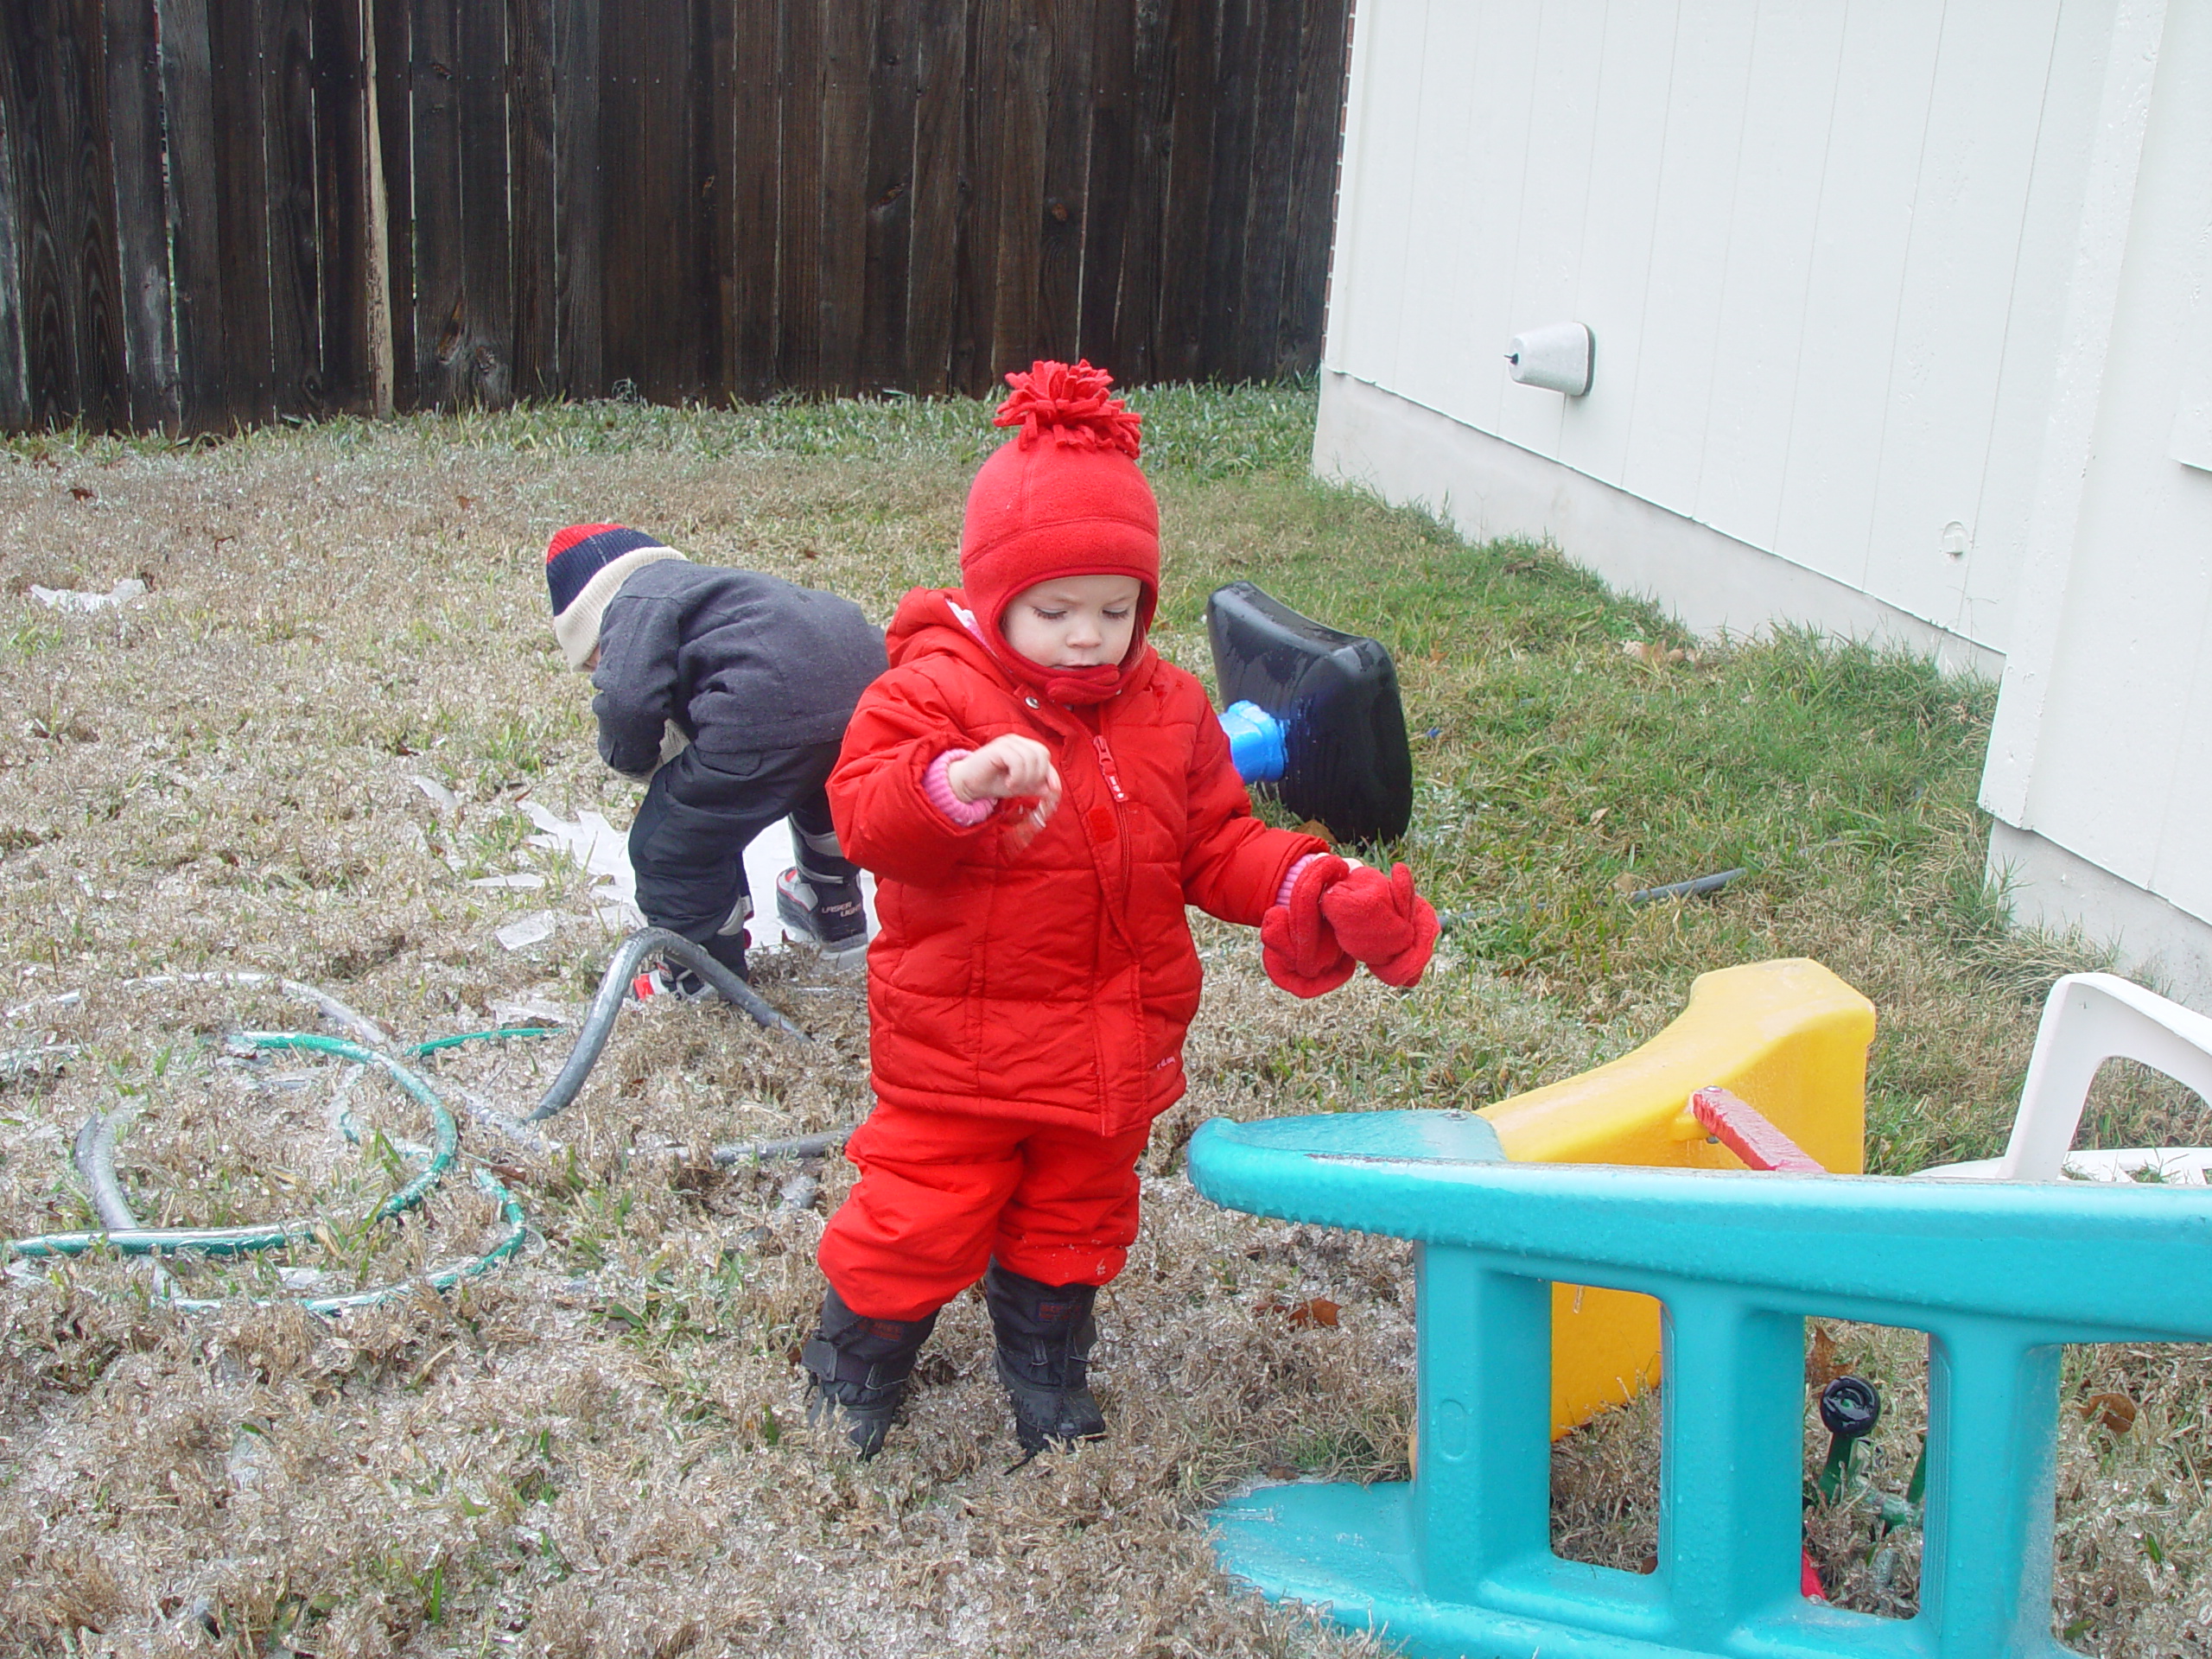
(1074, 621)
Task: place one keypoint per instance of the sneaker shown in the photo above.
(829, 915)
(680, 984)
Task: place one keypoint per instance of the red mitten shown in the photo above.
(1381, 921)
(1297, 945)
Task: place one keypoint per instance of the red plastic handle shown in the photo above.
(1740, 1129)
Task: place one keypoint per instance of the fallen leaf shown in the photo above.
(2115, 1411)
(1304, 1316)
(1316, 828)
(80, 493)
(1652, 654)
(1822, 1366)
(1282, 1472)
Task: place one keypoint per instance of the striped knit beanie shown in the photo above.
(585, 566)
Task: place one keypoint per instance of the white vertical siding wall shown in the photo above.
(2103, 744)
(1823, 250)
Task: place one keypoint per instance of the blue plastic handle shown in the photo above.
(1255, 743)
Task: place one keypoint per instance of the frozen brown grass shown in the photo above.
(597, 1449)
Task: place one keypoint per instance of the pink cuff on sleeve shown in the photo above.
(938, 789)
(1290, 876)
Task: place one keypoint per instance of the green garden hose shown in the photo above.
(95, 1159)
(94, 1151)
(133, 1240)
(497, 1034)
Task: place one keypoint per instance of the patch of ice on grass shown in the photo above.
(530, 1010)
(82, 603)
(526, 931)
(601, 851)
(604, 854)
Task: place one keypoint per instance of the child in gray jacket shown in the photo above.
(731, 690)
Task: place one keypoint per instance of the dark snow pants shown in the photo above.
(688, 842)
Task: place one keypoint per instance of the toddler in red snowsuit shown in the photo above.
(1040, 796)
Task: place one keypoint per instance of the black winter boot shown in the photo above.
(1044, 1337)
(856, 1369)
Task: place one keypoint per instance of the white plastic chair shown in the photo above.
(2090, 1018)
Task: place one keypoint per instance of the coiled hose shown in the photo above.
(94, 1150)
(95, 1158)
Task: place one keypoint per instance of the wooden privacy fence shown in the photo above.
(224, 211)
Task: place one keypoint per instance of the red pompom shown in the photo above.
(1069, 401)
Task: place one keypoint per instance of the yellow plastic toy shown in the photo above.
(1788, 1037)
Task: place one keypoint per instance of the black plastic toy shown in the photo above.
(1312, 714)
(1850, 1407)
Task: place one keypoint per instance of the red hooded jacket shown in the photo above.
(1050, 982)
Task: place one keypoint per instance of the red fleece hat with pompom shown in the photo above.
(1062, 497)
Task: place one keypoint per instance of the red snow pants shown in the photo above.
(941, 1193)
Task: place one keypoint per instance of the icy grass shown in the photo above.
(598, 1450)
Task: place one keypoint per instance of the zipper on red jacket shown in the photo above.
(1106, 765)
(1121, 795)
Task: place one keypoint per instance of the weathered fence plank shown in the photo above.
(196, 261)
(535, 365)
(798, 270)
(294, 282)
(1112, 99)
(940, 193)
(982, 169)
(1249, 337)
(49, 362)
(1132, 348)
(1179, 336)
(57, 85)
(580, 201)
(236, 31)
(442, 325)
(659, 321)
(1024, 99)
(1060, 229)
(134, 106)
(392, 31)
(889, 200)
(1213, 348)
(848, 45)
(1323, 42)
(718, 121)
(15, 377)
(486, 369)
(754, 161)
(343, 220)
(216, 210)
